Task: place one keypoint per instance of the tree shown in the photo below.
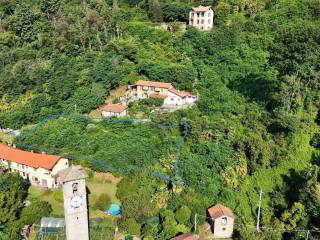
(175, 12)
(310, 195)
(34, 212)
(13, 192)
(155, 11)
(130, 225)
(102, 202)
(183, 215)
(22, 22)
(50, 7)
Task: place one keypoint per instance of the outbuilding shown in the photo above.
(221, 221)
(117, 110)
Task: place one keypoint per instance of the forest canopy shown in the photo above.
(256, 124)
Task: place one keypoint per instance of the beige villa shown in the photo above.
(39, 169)
(201, 17)
(171, 96)
(221, 222)
(144, 89)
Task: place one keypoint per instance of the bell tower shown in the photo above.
(75, 202)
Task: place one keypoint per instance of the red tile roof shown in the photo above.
(219, 210)
(154, 84)
(35, 160)
(117, 108)
(201, 8)
(180, 93)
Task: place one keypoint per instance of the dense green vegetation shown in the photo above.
(256, 124)
(118, 144)
(13, 212)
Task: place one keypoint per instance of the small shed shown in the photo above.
(117, 110)
(52, 225)
(221, 222)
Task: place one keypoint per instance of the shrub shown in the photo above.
(183, 215)
(57, 195)
(102, 202)
(130, 226)
(152, 102)
(34, 212)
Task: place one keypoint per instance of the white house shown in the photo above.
(117, 110)
(179, 98)
(221, 222)
(201, 17)
(38, 169)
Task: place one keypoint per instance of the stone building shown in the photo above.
(73, 180)
(222, 220)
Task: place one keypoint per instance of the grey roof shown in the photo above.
(72, 173)
(52, 222)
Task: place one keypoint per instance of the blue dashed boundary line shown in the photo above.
(102, 163)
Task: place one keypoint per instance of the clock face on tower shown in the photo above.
(76, 202)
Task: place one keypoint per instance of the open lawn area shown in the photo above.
(96, 186)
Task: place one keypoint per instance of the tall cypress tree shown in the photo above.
(155, 11)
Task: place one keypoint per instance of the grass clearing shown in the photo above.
(95, 186)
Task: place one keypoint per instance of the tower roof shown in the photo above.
(72, 173)
(219, 210)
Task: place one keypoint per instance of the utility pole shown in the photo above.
(259, 211)
(195, 223)
(308, 233)
(75, 108)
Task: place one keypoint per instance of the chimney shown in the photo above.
(43, 152)
(14, 146)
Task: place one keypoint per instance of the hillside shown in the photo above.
(256, 124)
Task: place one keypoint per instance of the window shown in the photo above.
(224, 221)
(74, 188)
(223, 229)
(172, 99)
(202, 21)
(36, 179)
(209, 14)
(202, 14)
(198, 21)
(151, 88)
